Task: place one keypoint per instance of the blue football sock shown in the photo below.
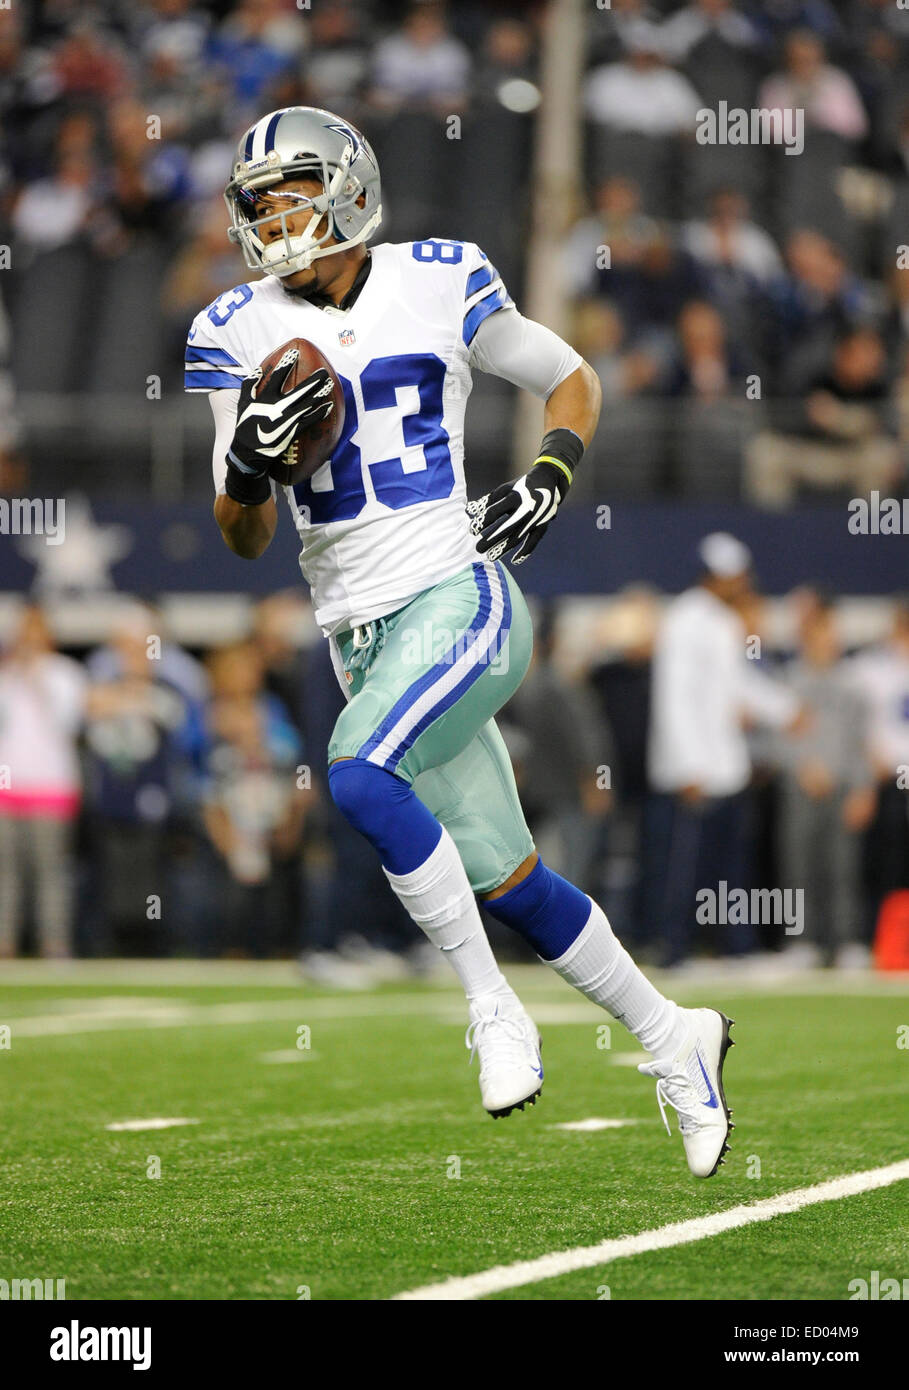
(544, 908)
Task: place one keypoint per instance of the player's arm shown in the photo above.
(514, 516)
(247, 521)
(253, 428)
(247, 528)
(575, 404)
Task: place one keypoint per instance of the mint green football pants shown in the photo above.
(423, 708)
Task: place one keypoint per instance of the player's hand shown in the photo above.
(268, 422)
(517, 514)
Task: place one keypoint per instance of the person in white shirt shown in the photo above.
(704, 690)
(641, 93)
(726, 240)
(41, 708)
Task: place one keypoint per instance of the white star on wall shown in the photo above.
(82, 560)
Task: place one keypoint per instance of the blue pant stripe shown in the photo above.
(428, 678)
(460, 689)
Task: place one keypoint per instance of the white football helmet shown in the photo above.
(287, 144)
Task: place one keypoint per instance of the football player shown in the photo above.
(430, 634)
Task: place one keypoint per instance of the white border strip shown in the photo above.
(663, 1238)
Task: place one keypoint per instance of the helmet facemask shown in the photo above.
(288, 254)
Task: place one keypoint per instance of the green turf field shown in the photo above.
(331, 1168)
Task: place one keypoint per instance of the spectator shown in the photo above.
(821, 297)
(774, 19)
(337, 63)
(808, 83)
(507, 55)
(173, 82)
(134, 718)
(881, 676)
(41, 707)
(650, 290)
(57, 210)
(565, 794)
(691, 25)
(841, 436)
(205, 266)
(706, 366)
(826, 789)
(423, 65)
(740, 267)
(613, 29)
(624, 370)
(704, 687)
(255, 47)
(254, 807)
(641, 93)
(148, 177)
(89, 63)
(618, 224)
(726, 242)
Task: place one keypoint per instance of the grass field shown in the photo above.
(331, 1168)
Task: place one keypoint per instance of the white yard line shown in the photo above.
(288, 1054)
(156, 1123)
(190, 1015)
(515, 1276)
(593, 1124)
(532, 980)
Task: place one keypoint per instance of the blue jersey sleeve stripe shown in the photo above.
(478, 278)
(214, 356)
(209, 381)
(497, 300)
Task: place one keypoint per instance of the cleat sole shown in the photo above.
(726, 1044)
(518, 1105)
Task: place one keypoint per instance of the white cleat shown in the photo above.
(692, 1083)
(508, 1045)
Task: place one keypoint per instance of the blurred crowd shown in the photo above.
(158, 802)
(748, 319)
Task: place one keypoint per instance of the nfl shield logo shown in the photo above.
(347, 337)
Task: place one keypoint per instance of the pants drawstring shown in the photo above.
(368, 641)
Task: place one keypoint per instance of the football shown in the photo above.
(315, 443)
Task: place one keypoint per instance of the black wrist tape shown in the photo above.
(562, 448)
(249, 489)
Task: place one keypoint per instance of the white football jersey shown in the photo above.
(385, 517)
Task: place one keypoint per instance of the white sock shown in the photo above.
(439, 898)
(598, 965)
